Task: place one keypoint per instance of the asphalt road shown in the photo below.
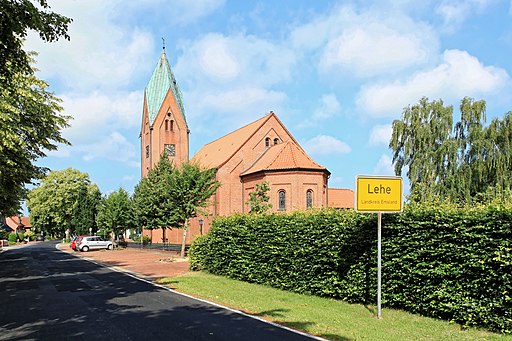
(47, 294)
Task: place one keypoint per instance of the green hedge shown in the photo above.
(454, 264)
(440, 262)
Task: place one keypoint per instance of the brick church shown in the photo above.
(263, 150)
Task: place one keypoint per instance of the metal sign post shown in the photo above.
(379, 265)
(378, 194)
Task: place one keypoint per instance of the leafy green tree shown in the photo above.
(30, 119)
(86, 210)
(30, 124)
(149, 196)
(169, 197)
(258, 200)
(115, 213)
(463, 163)
(51, 205)
(190, 190)
(19, 16)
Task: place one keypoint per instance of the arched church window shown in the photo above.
(172, 125)
(166, 125)
(276, 140)
(282, 200)
(267, 142)
(309, 199)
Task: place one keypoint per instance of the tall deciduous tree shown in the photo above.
(170, 196)
(464, 163)
(17, 17)
(150, 198)
(115, 213)
(30, 119)
(86, 210)
(190, 190)
(51, 205)
(30, 124)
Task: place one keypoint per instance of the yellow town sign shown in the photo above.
(379, 194)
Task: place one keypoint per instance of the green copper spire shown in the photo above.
(158, 86)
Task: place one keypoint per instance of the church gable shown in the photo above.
(248, 143)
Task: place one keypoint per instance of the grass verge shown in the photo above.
(328, 318)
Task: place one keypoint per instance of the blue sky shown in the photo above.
(336, 73)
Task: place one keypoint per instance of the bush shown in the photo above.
(441, 262)
(13, 238)
(29, 235)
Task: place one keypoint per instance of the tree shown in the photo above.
(30, 124)
(258, 200)
(150, 197)
(462, 163)
(115, 213)
(86, 210)
(19, 16)
(51, 205)
(169, 197)
(190, 190)
(30, 120)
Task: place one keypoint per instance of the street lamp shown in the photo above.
(201, 221)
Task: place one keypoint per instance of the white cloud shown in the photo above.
(373, 48)
(230, 60)
(326, 145)
(183, 12)
(113, 147)
(384, 166)
(100, 54)
(100, 113)
(242, 100)
(380, 135)
(367, 42)
(455, 12)
(329, 106)
(459, 75)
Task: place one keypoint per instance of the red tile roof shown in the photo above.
(13, 222)
(283, 156)
(216, 153)
(340, 198)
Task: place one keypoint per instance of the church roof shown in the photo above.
(340, 198)
(216, 153)
(283, 156)
(161, 81)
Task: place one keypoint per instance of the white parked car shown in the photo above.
(93, 243)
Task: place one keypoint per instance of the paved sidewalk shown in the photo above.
(148, 264)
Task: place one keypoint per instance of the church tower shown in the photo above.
(164, 126)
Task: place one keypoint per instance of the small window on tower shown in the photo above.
(170, 149)
(172, 125)
(276, 141)
(147, 151)
(166, 125)
(267, 142)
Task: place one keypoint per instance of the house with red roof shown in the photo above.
(17, 224)
(261, 151)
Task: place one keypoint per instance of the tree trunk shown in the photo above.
(182, 253)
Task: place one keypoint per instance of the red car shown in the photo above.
(74, 243)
